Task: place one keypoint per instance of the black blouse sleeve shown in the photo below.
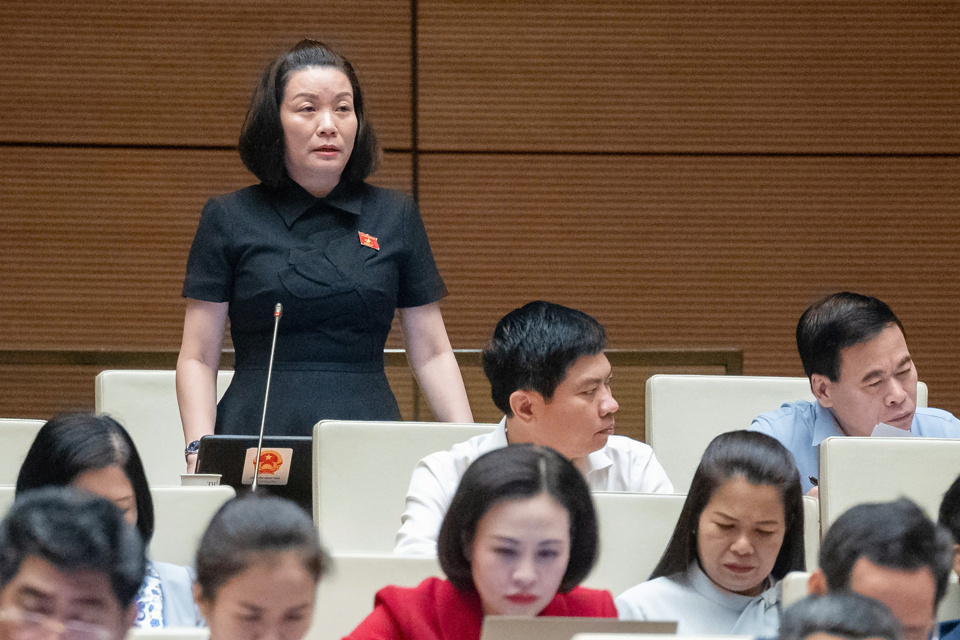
(209, 270)
(420, 281)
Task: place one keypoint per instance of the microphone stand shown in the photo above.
(277, 312)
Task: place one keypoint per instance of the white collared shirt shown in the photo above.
(700, 608)
(621, 465)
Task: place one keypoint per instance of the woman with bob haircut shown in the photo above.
(739, 533)
(520, 535)
(95, 454)
(340, 255)
(258, 566)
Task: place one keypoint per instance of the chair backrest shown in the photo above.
(634, 531)
(345, 597)
(7, 493)
(145, 402)
(636, 527)
(795, 587)
(686, 412)
(361, 474)
(811, 532)
(181, 515)
(16, 436)
(855, 470)
(950, 605)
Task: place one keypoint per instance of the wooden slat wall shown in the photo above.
(180, 72)
(693, 174)
(670, 76)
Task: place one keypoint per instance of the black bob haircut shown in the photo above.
(895, 535)
(836, 322)
(73, 531)
(533, 347)
(246, 528)
(761, 461)
(949, 516)
(845, 614)
(74, 443)
(262, 146)
(518, 472)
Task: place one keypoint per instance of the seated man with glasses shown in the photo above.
(70, 567)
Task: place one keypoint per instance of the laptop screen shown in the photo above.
(286, 465)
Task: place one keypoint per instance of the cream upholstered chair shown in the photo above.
(181, 515)
(636, 527)
(345, 596)
(634, 531)
(685, 412)
(7, 493)
(16, 436)
(795, 587)
(811, 534)
(855, 470)
(361, 474)
(950, 605)
(145, 403)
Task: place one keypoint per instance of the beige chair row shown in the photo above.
(370, 464)
(145, 402)
(16, 436)
(181, 515)
(635, 529)
(685, 412)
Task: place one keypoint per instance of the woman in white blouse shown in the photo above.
(740, 531)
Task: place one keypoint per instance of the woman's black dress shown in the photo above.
(340, 266)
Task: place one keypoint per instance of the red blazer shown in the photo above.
(436, 610)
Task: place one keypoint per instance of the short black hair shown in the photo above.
(836, 322)
(949, 516)
(250, 526)
(262, 145)
(73, 443)
(895, 535)
(533, 347)
(517, 472)
(761, 461)
(845, 614)
(73, 531)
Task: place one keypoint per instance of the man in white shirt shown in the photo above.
(549, 376)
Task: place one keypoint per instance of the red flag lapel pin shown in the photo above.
(368, 240)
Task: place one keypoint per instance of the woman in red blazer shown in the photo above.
(520, 535)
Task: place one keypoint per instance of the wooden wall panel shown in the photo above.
(859, 76)
(180, 72)
(93, 242)
(701, 252)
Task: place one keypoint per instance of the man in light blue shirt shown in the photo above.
(853, 350)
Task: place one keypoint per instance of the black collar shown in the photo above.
(292, 201)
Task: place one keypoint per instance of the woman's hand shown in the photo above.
(433, 362)
(197, 367)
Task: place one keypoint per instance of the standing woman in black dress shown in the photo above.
(339, 254)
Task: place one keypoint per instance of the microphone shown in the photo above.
(277, 312)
